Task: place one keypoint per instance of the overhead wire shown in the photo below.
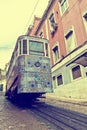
(31, 15)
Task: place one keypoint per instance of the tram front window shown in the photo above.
(36, 48)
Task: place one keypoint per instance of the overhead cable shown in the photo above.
(31, 15)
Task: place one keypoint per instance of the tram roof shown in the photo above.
(30, 37)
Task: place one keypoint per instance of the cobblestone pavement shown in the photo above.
(14, 118)
(18, 118)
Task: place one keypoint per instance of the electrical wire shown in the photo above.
(31, 15)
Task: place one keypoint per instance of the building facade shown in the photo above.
(64, 24)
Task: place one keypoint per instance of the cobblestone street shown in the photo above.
(15, 118)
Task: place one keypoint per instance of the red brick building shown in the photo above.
(64, 24)
(32, 28)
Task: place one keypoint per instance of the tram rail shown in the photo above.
(61, 118)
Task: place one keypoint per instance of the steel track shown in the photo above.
(61, 118)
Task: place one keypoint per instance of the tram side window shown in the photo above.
(24, 46)
(46, 48)
(20, 47)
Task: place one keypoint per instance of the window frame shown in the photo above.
(53, 25)
(46, 49)
(19, 48)
(72, 79)
(41, 34)
(62, 80)
(70, 31)
(62, 2)
(85, 20)
(20, 42)
(24, 50)
(35, 52)
(56, 45)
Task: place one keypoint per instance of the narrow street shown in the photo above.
(43, 65)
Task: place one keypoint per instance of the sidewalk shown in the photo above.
(52, 95)
(79, 105)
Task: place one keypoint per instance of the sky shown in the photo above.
(15, 18)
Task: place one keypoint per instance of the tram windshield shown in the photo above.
(36, 47)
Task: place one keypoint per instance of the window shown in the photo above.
(46, 49)
(36, 48)
(59, 80)
(53, 24)
(24, 46)
(76, 72)
(70, 41)
(85, 20)
(19, 47)
(41, 35)
(64, 5)
(56, 53)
